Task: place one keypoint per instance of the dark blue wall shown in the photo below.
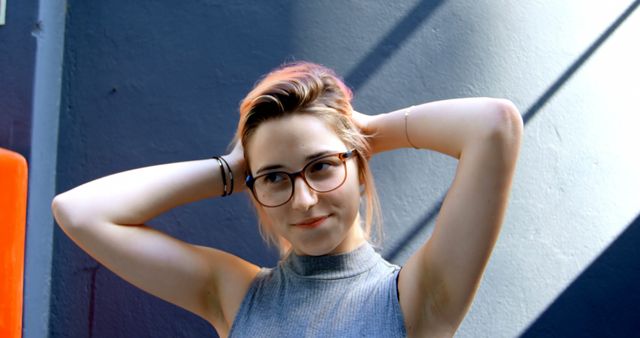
(146, 84)
(17, 64)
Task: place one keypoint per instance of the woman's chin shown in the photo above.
(314, 250)
(328, 247)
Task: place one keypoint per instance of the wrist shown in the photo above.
(390, 131)
(238, 170)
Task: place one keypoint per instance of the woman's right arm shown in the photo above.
(106, 219)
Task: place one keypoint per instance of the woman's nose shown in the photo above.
(303, 196)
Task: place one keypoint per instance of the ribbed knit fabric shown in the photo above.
(348, 295)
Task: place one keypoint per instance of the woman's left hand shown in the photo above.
(363, 122)
(368, 126)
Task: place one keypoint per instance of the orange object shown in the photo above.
(13, 214)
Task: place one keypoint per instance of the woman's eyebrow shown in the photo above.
(307, 159)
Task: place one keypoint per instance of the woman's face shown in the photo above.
(289, 143)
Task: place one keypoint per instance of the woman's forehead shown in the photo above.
(289, 141)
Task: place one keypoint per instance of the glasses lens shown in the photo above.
(325, 174)
(273, 189)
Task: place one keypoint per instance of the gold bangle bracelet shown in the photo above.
(406, 126)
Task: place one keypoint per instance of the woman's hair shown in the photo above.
(308, 88)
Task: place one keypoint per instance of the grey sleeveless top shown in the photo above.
(348, 295)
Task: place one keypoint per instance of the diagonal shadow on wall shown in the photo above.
(390, 43)
(551, 91)
(393, 253)
(604, 301)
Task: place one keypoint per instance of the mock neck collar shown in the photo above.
(337, 266)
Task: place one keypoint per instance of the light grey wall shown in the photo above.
(151, 83)
(577, 186)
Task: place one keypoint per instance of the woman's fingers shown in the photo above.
(362, 121)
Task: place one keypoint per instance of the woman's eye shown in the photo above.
(273, 177)
(320, 166)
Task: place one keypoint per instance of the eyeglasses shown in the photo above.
(323, 174)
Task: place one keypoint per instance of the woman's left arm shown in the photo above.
(438, 282)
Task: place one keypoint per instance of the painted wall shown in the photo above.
(17, 64)
(152, 83)
(28, 125)
(47, 83)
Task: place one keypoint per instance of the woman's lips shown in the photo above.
(311, 222)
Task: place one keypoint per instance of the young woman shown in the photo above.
(302, 152)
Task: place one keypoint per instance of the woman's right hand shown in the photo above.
(238, 166)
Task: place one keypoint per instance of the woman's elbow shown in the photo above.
(62, 207)
(506, 122)
(58, 210)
